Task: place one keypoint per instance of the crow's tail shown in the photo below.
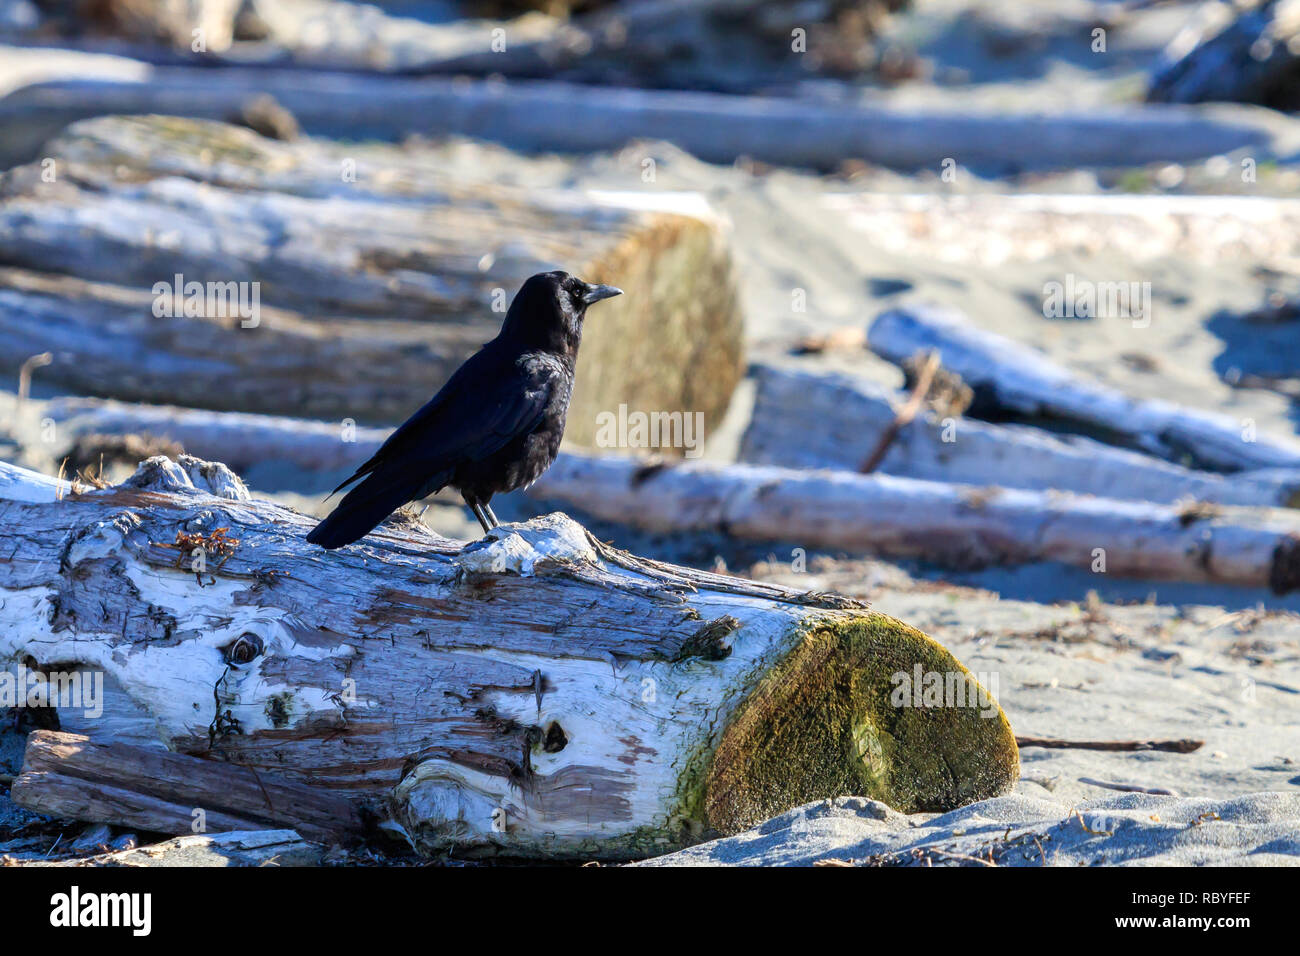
(363, 508)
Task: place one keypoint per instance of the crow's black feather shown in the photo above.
(493, 427)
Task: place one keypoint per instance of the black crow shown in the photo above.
(494, 427)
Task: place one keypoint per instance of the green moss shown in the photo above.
(836, 717)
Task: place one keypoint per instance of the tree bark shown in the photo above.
(403, 272)
(1017, 383)
(828, 420)
(534, 693)
(954, 525)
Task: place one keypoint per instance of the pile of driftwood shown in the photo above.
(716, 78)
(1043, 466)
(535, 693)
(160, 259)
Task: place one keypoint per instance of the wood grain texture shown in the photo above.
(153, 789)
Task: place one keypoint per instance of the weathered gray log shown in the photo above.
(1014, 382)
(955, 525)
(807, 419)
(531, 693)
(152, 789)
(1244, 52)
(240, 440)
(403, 272)
(562, 117)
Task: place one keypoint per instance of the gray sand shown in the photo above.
(1133, 829)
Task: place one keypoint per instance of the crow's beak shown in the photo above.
(597, 292)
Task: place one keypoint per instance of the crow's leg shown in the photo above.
(475, 507)
(491, 517)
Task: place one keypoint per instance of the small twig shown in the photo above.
(39, 360)
(903, 417)
(1074, 812)
(959, 856)
(1128, 787)
(1170, 746)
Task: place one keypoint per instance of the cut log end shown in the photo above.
(673, 342)
(838, 716)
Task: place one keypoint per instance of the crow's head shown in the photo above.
(549, 309)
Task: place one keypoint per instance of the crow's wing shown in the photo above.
(483, 407)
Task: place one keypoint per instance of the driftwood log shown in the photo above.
(1013, 382)
(572, 118)
(1244, 52)
(532, 693)
(959, 524)
(400, 272)
(954, 525)
(805, 419)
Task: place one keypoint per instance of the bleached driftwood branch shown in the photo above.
(956, 525)
(807, 419)
(532, 693)
(1014, 381)
(241, 440)
(562, 117)
(371, 258)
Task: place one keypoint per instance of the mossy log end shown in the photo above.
(536, 693)
(827, 720)
(396, 260)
